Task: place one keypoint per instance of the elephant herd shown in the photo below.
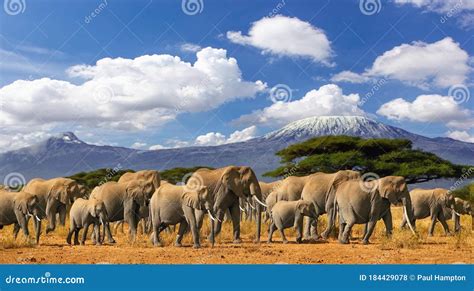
(226, 193)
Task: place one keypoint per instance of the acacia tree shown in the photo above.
(378, 155)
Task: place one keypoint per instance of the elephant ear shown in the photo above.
(387, 189)
(21, 204)
(191, 199)
(339, 178)
(58, 191)
(302, 206)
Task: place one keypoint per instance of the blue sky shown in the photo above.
(410, 63)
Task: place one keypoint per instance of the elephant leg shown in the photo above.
(130, 216)
(235, 213)
(76, 236)
(432, 225)
(219, 215)
(271, 230)
(84, 234)
(181, 231)
(370, 230)
(191, 221)
(69, 235)
(457, 224)
(156, 234)
(117, 225)
(346, 233)
(442, 219)
(283, 237)
(299, 230)
(16, 229)
(199, 214)
(307, 228)
(62, 215)
(97, 234)
(108, 233)
(387, 220)
(341, 230)
(330, 225)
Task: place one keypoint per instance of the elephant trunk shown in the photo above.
(37, 230)
(259, 222)
(51, 214)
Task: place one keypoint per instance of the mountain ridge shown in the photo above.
(66, 154)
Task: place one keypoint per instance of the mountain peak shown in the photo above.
(67, 137)
(336, 125)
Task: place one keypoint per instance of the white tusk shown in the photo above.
(37, 218)
(241, 209)
(456, 213)
(251, 206)
(100, 220)
(210, 215)
(405, 212)
(260, 202)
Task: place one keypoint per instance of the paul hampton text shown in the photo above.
(412, 277)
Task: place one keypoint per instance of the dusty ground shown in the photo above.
(402, 248)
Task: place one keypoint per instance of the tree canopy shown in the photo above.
(176, 175)
(378, 155)
(465, 193)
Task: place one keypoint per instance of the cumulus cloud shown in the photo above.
(440, 64)
(327, 100)
(428, 108)
(217, 138)
(286, 36)
(156, 147)
(461, 135)
(127, 94)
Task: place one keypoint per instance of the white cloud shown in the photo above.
(461, 135)
(286, 36)
(441, 64)
(428, 108)
(327, 100)
(459, 10)
(13, 141)
(351, 77)
(156, 147)
(190, 47)
(126, 94)
(138, 145)
(217, 138)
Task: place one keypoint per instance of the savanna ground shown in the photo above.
(402, 248)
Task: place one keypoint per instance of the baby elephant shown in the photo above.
(286, 214)
(173, 204)
(84, 213)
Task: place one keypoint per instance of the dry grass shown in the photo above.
(402, 247)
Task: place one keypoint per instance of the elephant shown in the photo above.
(83, 192)
(226, 185)
(461, 207)
(148, 176)
(122, 201)
(362, 202)
(16, 208)
(267, 188)
(84, 213)
(320, 189)
(143, 215)
(54, 196)
(173, 204)
(432, 203)
(286, 214)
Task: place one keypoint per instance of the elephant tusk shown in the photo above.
(251, 206)
(241, 209)
(37, 218)
(260, 202)
(456, 213)
(212, 217)
(405, 213)
(100, 220)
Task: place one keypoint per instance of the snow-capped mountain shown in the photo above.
(66, 154)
